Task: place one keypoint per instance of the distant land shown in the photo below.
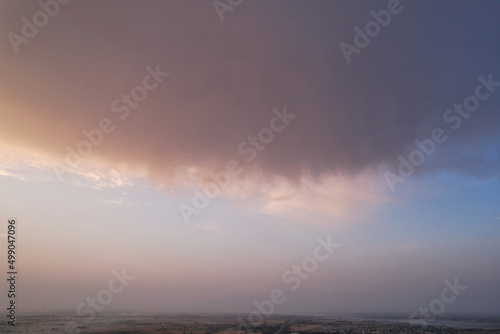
(128, 323)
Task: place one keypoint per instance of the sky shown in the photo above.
(206, 147)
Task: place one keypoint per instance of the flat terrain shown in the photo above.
(231, 324)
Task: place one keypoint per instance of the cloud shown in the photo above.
(225, 80)
(332, 200)
(4, 172)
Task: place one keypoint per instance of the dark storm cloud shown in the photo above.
(226, 77)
